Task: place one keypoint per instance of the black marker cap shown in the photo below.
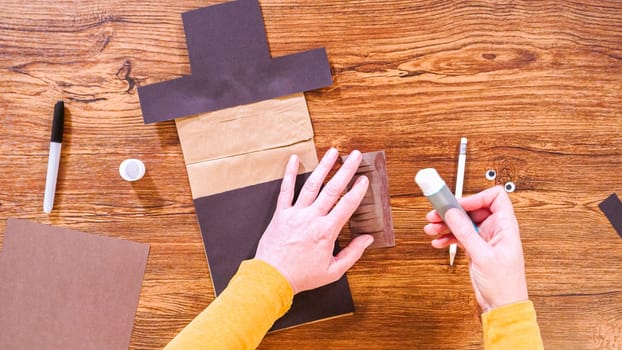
(58, 122)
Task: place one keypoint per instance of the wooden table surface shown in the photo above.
(535, 86)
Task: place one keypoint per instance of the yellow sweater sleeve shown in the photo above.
(513, 327)
(239, 318)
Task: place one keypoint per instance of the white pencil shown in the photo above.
(453, 248)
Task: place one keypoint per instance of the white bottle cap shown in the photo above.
(132, 169)
(429, 181)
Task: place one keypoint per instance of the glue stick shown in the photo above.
(435, 189)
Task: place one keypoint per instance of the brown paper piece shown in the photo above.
(373, 216)
(63, 289)
(225, 174)
(245, 129)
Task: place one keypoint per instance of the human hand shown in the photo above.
(496, 261)
(300, 238)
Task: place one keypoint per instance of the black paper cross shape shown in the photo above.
(231, 66)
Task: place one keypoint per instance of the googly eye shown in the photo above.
(509, 186)
(491, 174)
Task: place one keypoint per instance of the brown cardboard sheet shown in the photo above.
(63, 289)
(244, 129)
(373, 216)
(224, 174)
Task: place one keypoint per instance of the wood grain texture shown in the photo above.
(535, 86)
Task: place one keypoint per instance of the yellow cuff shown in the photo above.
(242, 314)
(512, 326)
(263, 274)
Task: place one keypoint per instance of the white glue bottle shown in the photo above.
(435, 189)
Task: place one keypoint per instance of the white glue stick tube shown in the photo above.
(435, 189)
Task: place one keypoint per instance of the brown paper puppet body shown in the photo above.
(240, 116)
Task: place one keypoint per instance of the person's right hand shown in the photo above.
(495, 254)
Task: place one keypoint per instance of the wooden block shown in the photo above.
(373, 216)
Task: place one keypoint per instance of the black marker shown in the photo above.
(54, 159)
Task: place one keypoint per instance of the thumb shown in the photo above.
(349, 255)
(464, 230)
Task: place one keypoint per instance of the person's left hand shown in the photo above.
(300, 239)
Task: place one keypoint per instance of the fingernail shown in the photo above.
(369, 241)
(293, 158)
(362, 179)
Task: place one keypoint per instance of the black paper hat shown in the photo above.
(231, 65)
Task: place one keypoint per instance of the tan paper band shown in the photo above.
(225, 174)
(245, 129)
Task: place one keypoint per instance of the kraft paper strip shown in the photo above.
(245, 129)
(225, 174)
